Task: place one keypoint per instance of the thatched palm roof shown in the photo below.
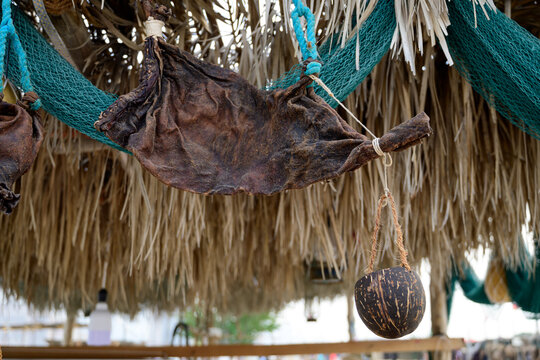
(86, 209)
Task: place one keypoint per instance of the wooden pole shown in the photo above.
(439, 318)
(139, 352)
(350, 316)
(68, 329)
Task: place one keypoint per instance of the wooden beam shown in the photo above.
(139, 352)
(39, 326)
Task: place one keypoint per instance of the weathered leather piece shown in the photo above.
(21, 135)
(202, 128)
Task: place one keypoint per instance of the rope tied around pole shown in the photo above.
(8, 33)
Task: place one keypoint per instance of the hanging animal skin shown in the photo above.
(202, 128)
(21, 134)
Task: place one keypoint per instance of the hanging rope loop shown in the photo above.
(306, 41)
(399, 233)
(8, 33)
(385, 197)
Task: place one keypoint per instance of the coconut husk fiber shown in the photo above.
(473, 184)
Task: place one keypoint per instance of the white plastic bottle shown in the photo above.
(99, 329)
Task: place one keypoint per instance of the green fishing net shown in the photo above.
(523, 282)
(69, 96)
(65, 93)
(345, 67)
(500, 59)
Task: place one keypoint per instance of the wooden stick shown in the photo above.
(123, 352)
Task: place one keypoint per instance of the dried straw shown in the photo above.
(83, 206)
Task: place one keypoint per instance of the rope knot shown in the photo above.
(28, 101)
(153, 27)
(377, 147)
(312, 67)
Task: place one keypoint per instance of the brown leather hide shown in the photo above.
(202, 128)
(21, 135)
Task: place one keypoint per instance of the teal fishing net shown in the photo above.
(500, 59)
(472, 286)
(345, 67)
(523, 282)
(65, 93)
(69, 96)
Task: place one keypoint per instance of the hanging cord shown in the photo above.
(313, 68)
(306, 42)
(104, 278)
(387, 159)
(387, 195)
(7, 32)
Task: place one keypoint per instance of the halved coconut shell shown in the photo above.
(391, 302)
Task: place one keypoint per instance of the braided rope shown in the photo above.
(7, 31)
(308, 47)
(4, 31)
(387, 195)
(399, 233)
(375, 233)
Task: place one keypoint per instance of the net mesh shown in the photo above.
(500, 59)
(69, 96)
(345, 67)
(65, 93)
(523, 282)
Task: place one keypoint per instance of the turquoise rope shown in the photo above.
(309, 47)
(7, 31)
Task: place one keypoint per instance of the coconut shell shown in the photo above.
(391, 302)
